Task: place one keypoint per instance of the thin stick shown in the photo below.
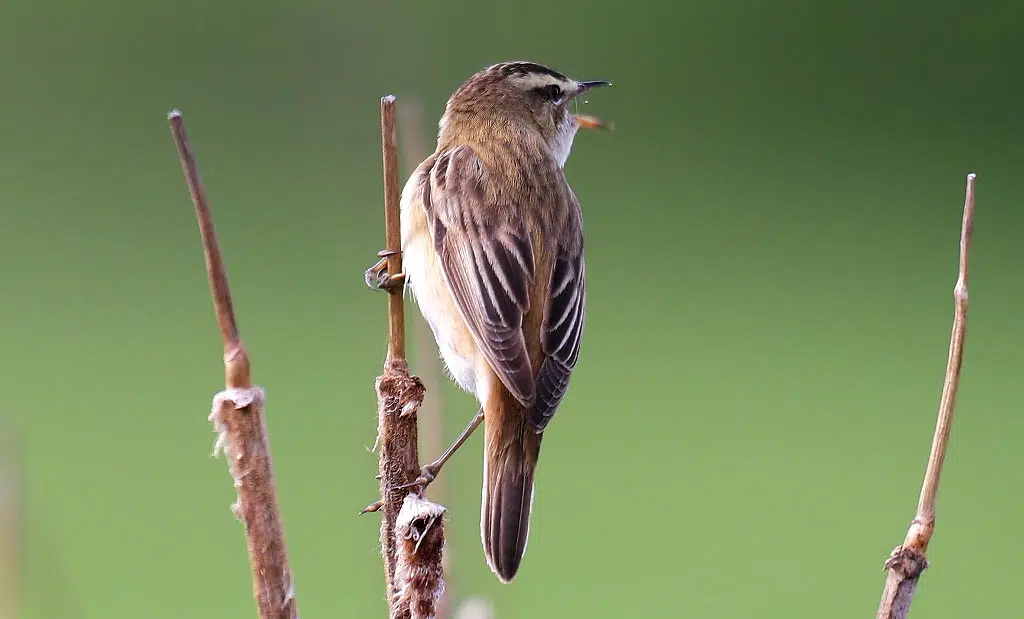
(392, 225)
(236, 361)
(412, 528)
(908, 561)
(237, 417)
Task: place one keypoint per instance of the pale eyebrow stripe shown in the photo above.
(536, 81)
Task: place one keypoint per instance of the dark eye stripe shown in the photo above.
(552, 91)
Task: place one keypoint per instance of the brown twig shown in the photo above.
(412, 528)
(908, 560)
(392, 226)
(237, 418)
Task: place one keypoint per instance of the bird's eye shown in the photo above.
(554, 92)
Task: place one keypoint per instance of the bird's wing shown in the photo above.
(488, 264)
(564, 317)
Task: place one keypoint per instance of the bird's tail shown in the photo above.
(511, 449)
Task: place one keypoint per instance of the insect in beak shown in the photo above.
(593, 122)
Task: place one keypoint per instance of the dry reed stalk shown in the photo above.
(412, 528)
(238, 418)
(909, 560)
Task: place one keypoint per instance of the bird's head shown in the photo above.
(524, 98)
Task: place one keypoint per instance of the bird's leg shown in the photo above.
(430, 471)
(378, 278)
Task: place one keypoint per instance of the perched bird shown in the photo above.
(492, 249)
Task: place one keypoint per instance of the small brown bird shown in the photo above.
(492, 244)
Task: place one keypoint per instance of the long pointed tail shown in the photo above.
(511, 449)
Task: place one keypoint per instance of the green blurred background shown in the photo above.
(771, 243)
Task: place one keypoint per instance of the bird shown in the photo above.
(492, 251)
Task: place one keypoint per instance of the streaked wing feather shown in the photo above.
(562, 333)
(488, 264)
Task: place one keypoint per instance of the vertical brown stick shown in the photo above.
(392, 224)
(411, 531)
(238, 419)
(908, 561)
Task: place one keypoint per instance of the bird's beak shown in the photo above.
(582, 87)
(591, 122)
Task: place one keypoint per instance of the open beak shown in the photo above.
(591, 122)
(582, 87)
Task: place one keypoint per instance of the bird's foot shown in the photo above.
(378, 278)
(427, 475)
(430, 472)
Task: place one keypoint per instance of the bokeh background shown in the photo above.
(771, 241)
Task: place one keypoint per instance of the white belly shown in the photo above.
(424, 279)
